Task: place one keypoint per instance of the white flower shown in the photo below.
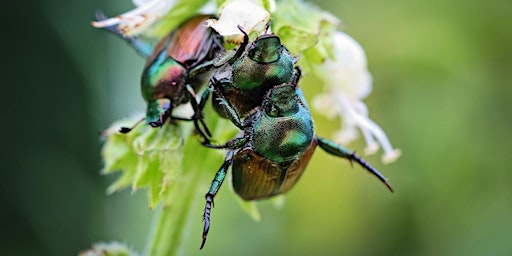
(139, 19)
(349, 82)
(249, 15)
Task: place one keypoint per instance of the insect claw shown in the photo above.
(371, 169)
(203, 242)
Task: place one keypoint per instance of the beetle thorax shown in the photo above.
(265, 64)
(284, 129)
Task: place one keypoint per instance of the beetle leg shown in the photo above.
(214, 188)
(297, 75)
(182, 118)
(217, 41)
(228, 57)
(232, 144)
(142, 48)
(198, 115)
(204, 98)
(242, 46)
(335, 149)
(229, 110)
(217, 62)
(267, 27)
(201, 69)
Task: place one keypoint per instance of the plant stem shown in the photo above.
(173, 219)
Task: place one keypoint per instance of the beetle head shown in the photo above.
(265, 49)
(158, 111)
(281, 101)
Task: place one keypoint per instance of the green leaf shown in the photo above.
(269, 5)
(278, 201)
(250, 208)
(305, 29)
(296, 39)
(147, 157)
(182, 10)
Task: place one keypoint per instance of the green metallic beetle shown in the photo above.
(250, 72)
(276, 142)
(175, 68)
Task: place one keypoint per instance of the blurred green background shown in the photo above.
(442, 74)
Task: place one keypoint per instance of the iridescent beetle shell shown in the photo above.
(166, 73)
(175, 68)
(265, 63)
(280, 145)
(259, 66)
(276, 143)
(255, 177)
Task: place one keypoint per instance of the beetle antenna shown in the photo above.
(128, 129)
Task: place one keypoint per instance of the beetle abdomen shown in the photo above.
(255, 177)
(193, 42)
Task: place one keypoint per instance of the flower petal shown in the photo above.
(348, 82)
(136, 21)
(244, 13)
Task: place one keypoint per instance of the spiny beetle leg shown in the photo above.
(267, 27)
(204, 98)
(202, 68)
(206, 218)
(199, 131)
(228, 57)
(182, 118)
(217, 42)
(335, 149)
(370, 168)
(229, 110)
(214, 188)
(198, 115)
(242, 46)
(297, 75)
(232, 144)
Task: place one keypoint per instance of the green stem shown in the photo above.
(171, 226)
